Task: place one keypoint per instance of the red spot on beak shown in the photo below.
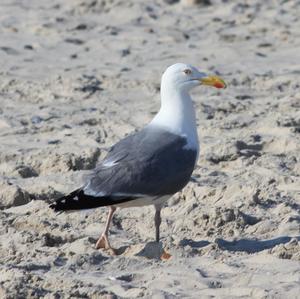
(219, 85)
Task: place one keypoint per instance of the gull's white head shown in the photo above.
(184, 77)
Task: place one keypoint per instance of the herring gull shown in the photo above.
(151, 165)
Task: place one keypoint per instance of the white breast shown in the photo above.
(177, 115)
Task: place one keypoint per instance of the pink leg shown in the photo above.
(103, 241)
(157, 220)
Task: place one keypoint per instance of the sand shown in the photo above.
(78, 75)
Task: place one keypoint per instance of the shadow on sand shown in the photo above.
(193, 244)
(245, 245)
(252, 246)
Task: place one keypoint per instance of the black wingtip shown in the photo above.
(78, 200)
(57, 206)
(65, 203)
(54, 206)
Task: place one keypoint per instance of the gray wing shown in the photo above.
(152, 162)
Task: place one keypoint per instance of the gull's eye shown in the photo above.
(187, 71)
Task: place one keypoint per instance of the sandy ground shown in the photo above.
(77, 75)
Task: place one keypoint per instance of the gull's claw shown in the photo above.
(103, 243)
(165, 256)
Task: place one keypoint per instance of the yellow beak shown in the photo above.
(213, 81)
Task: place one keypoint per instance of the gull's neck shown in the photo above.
(177, 115)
